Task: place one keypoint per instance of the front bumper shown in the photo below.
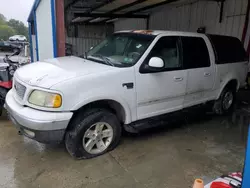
(45, 127)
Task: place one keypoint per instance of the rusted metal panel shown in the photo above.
(114, 5)
(60, 28)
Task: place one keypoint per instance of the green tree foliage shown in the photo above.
(11, 27)
(6, 31)
(2, 19)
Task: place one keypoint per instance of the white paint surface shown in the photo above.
(44, 30)
(33, 38)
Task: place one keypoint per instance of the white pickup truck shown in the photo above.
(130, 76)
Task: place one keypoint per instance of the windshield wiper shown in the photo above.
(106, 60)
(84, 56)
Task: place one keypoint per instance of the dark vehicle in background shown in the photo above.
(7, 70)
(5, 46)
(8, 46)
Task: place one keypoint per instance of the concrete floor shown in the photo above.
(163, 157)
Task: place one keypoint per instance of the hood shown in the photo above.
(52, 71)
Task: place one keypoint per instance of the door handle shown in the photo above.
(178, 79)
(206, 74)
(128, 85)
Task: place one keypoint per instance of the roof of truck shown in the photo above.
(158, 32)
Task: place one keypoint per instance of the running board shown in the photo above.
(162, 120)
(166, 119)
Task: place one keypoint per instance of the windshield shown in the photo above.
(121, 49)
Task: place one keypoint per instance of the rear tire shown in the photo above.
(225, 104)
(86, 138)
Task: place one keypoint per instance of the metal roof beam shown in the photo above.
(123, 7)
(101, 5)
(91, 9)
(138, 10)
(126, 6)
(103, 15)
(152, 6)
(71, 4)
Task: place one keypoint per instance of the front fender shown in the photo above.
(121, 101)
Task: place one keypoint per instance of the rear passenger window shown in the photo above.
(228, 49)
(195, 53)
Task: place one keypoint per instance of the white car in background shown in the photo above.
(18, 38)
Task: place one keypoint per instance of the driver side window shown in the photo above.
(167, 49)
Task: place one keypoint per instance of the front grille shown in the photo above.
(20, 89)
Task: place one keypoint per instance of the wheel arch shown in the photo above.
(119, 108)
(232, 83)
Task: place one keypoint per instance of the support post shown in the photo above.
(148, 22)
(31, 42)
(221, 10)
(244, 33)
(246, 173)
(60, 28)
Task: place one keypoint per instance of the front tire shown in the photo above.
(225, 104)
(93, 133)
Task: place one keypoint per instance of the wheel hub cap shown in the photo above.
(228, 100)
(97, 138)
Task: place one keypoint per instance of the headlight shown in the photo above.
(45, 99)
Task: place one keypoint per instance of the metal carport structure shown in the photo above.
(83, 23)
(104, 14)
(226, 17)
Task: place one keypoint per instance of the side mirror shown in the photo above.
(156, 63)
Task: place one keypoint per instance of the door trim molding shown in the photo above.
(159, 100)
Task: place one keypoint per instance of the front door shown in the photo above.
(200, 71)
(159, 92)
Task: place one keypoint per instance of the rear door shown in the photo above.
(200, 70)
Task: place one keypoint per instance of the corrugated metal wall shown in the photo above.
(83, 44)
(88, 36)
(94, 31)
(129, 24)
(185, 15)
(189, 15)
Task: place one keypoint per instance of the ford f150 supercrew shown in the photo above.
(132, 75)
